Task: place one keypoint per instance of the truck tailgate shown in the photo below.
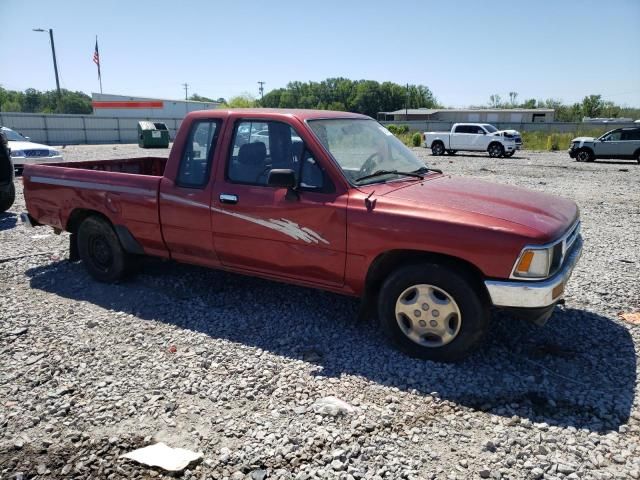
(54, 194)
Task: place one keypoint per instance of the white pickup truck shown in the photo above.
(474, 137)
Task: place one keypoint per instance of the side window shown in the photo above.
(631, 134)
(461, 129)
(615, 136)
(313, 177)
(261, 146)
(195, 163)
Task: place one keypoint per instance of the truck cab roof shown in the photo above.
(274, 113)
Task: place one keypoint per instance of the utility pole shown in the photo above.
(406, 105)
(186, 90)
(261, 89)
(53, 52)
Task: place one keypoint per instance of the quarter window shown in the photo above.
(195, 164)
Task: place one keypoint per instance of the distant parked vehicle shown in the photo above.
(24, 151)
(622, 143)
(7, 188)
(474, 137)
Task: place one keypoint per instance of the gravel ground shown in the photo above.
(231, 366)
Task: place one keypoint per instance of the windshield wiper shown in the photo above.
(419, 173)
(379, 173)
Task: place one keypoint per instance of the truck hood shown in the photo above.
(13, 145)
(510, 132)
(544, 216)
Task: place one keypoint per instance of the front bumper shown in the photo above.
(536, 294)
(21, 161)
(572, 152)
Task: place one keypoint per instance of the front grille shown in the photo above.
(562, 249)
(36, 153)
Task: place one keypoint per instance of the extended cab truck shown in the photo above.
(622, 143)
(474, 137)
(334, 202)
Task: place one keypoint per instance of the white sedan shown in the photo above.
(24, 151)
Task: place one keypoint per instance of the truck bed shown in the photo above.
(153, 166)
(125, 191)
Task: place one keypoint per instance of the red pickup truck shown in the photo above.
(330, 200)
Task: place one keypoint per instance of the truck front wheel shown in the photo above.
(433, 312)
(437, 148)
(495, 150)
(7, 198)
(100, 250)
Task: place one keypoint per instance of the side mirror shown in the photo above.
(282, 177)
(28, 139)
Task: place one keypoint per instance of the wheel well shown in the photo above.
(389, 261)
(588, 149)
(636, 154)
(79, 215)
(437, 141)
(494, 143)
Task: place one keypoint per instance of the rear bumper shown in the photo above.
(538, 294)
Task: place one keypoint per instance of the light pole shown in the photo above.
(53, 52)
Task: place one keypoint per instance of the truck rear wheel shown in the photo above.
(432, 312)
(7, 198)
(495, 150)
(437, 148)
(100, 250)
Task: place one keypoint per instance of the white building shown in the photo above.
(106, 105)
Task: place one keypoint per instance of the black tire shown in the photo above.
(474, 313)
(7, 197)
(584, 155)
(451, 152)
(495, 150)
(638, 157)
(101, 251)
(437, 148)
(509, 154)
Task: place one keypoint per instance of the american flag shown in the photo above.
(96, 57)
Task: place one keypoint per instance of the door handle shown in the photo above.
(228, 198)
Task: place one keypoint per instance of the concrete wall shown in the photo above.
(55, 129)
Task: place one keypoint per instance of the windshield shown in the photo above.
(490, 128)
(363, 147)
(13, 136)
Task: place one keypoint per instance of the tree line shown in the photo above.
(361, 96)
(35, 101)
(593, 106)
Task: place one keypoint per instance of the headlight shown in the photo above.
(54, 153)
(17, 154)
(533, 263)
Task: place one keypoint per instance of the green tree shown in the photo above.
(592, 105)
(198, 98)
(244, 100)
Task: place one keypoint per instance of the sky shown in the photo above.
(464, 51)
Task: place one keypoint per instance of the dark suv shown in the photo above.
(7, 189)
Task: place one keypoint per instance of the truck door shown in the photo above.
(459, 138)
(184, 202)
(300, 235)
(478, 138)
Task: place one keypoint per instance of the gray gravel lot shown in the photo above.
(88, 371)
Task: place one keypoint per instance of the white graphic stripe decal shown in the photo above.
(183, 201)
(92, 186)
(282, 225)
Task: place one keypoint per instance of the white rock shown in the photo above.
(332, 406)
(163, 456)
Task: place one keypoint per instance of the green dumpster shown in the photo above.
(153, 135)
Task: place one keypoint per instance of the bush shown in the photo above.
(416, 139)
(398, 129)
